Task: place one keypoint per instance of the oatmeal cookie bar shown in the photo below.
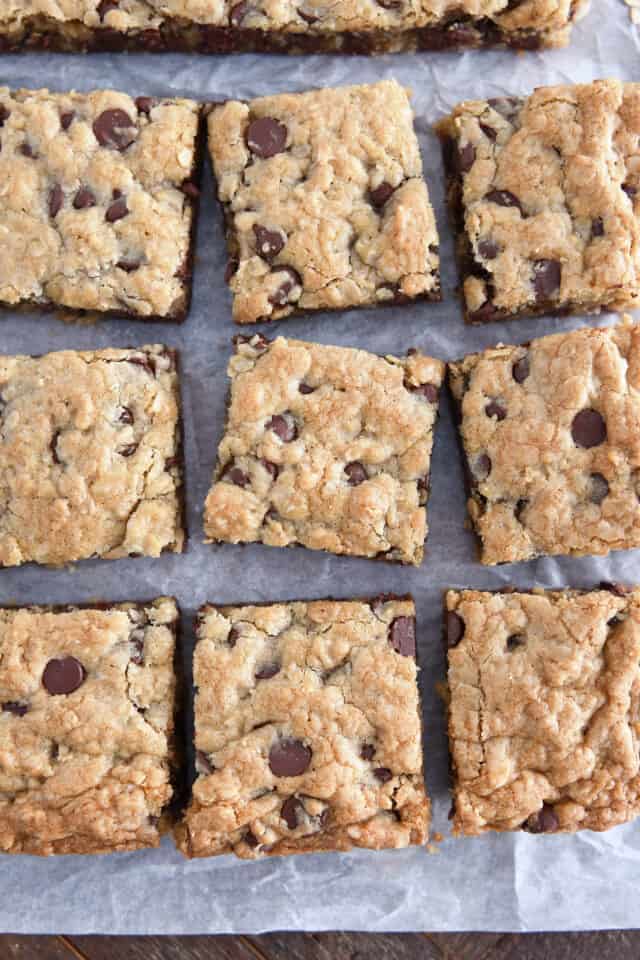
(98, 202)
(328, 447)
(324, 200)
(543, 193)
(307, 729)
(544, 719)
(90, 455)
(86, 727)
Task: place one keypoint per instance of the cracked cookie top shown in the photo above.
(96, 201)
(551, 436)
(549, 199)
(307, 729)
(86, 726)
(544, 718)
(328, 447)
(90, 458)
(325, 201)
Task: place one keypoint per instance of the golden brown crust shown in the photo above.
(88, 771)
(544, 718)
(337, 679)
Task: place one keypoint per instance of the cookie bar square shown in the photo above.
(98, 205)
(551, 437)
(86, 727)
(307, 729)
(369, 27)
(324, 200)
(327, 447)
(90, 456)
(543, 193)
(544, 721)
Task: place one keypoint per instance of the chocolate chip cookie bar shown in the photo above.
(307, 729)
(551, 437)
(98, 205)
(90, 456)
(374, 26)
(86, 727)
(543, 193)
(326, 447)
(544, 720)
(324, 200)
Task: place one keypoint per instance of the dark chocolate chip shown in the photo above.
(266, 137)
(66, 119)
(368, 751)
(599, 488)
(125, 415)
(597, 227)
(546, 278)
(251, 840)
(271, 468)
(427, 390)
(481, 467)
(356, 473)
(292, 280)
(56, 199)
(267, 671)
(464, 157)
(588, 429)
(454, 628)
(84, 198)
(4, 114)
(289, 811)
(129, 266)
(520, 369)
(402, 636)
(305, 388)
(27, 150)
(63, 676)
(203, 764)
(289, 757)
(16, 707)
(117, 210)
(284, 426)
(488, 131)
(488, 249)
(544, 821)
(629, 190)
(115, 129)
(237, 13)
(105, 6)
(515, 640)
(230, 269)
(269, 243)
(495, 409)
(381, 194)
(235, 475)
(504, 198)
(129, 450)
(383, 774)
(144, 104)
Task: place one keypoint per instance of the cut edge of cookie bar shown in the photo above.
(163, 820)
(418, 820)
(544, 819)
(291, 278)
(260, 342)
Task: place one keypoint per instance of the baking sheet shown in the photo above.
(508, 882)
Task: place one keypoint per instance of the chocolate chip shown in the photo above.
(271, 468)
(289, 811)
(66, 119)
(267, 671)
(251, 840)
(381, 194)
(305, 388)
(402, 636)
(105, 6)
(269, 243)
(307, 17)
(284, 426)
(15, 707)
(504, 198)
(356, 473)
(129, 266)
(546, 278)
(117, 210)
(544, 821)
(56, 199)
(27, 150)
(454, 628)
(494, 409)
(125, 415)
(266, 137)
(83, 199)
(588, 429)
(464, 157)
(520, 369)
(599, 488)
(129, 450)
(427, 390)
(237, 13)
(144, 104)
(597, 227)
(289, 757)
(383, 774)
(515, 640)
(488, 249)
(4, 114)
(230, 269)
(203, 764)
(63, 676)
(629, 190)
(488, 131)
(368, 751)
(114, 129)
(235, 475)
(292, 280)
(481, 468)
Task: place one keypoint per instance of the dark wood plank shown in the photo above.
(160, 948)
(606, 945)
(466, 946)
(13, 947)
(345, 946)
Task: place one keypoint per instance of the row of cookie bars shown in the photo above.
(308, 723)
(325, 447)
(324, 200)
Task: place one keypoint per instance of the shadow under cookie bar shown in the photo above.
(88, 752)
(310, 229)
(110, 228)
(308, 729)
(543, 223)
(453, 31)
(542, 713)
(549, 441)
(325, 447)
(91, 456)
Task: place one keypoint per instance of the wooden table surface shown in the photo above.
(613, 945)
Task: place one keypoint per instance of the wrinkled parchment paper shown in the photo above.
(508, 882)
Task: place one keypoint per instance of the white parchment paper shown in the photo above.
(506, 882)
